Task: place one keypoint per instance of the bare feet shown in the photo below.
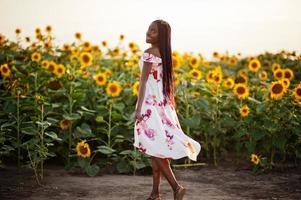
(179, 193)
(154, 196)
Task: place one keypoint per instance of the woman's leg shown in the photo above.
(165, 168)
(156, 177)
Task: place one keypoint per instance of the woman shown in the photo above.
(157, 129)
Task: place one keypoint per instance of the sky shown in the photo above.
(248, 27)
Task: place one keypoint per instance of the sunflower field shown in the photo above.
(75, 104)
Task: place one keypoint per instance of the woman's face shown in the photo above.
(152, 34)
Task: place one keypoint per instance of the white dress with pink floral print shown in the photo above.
(160, 134)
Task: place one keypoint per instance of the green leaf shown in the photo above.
(105, 150)
(258, 135)
(119, 106)
(83, 131)
(72, 117)
(202, 104)
(92, 170)
(99, 118)
(123, 167)
(83, 162)
(125, 152)
(87, 110)
(53, 135)
(192, 122)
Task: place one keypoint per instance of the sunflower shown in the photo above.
(275, 67)
(233, 60)
(104, 43)
(66, 47)
(116, 51)
(196, 74)
(100, 79)
(75, 51)
(36, 57)
(38, 31)
(242, 72)
(288, 73)
(279, 74)
(51, 67)
(27, 39)
(229, 83)
(64, 124)
(48, 29)
(2, 39)
(45, 64)
(286, 82)
(244, 111)
(194, 62)
(18, 31)
(209, 76)
(254, 65)
(135, 88)
(255, 159)
(113, 89)
(59, 70)
(86, 46)
(83, 149)
(217, 78)
(277, 89)
(297, 92)
(47, 45)
(78, 35)
(121, 37)
(86, 59)
(241, 79)
(5, 71)
(108, 72)
(263, 75)
(241, 90)
(215, 54)
(176, 62)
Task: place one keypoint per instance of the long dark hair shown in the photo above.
(164, 38)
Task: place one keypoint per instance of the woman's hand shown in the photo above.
(138, 115)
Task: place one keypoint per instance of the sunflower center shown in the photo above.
(60, 70)
(279, 74)
(254, 65)
(65, 122)
(4, 70)
(113, 88)
(100, 78)
(287, 75)
(83, 150)
(241, 90)
(86, 58)
(298, 91)
(277, 88)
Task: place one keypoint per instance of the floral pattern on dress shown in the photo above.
(169, 139)
(143, 127)
(159, 133)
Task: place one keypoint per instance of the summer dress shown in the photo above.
(159, 134)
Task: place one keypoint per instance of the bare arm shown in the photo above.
(143, 78)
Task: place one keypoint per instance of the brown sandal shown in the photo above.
(179, 193)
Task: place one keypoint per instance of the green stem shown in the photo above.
(110, 119)
(18, 130)
(42, 138)
(70, 127)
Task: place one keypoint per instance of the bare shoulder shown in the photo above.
(153, 50)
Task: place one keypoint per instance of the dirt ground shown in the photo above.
(202, 183)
